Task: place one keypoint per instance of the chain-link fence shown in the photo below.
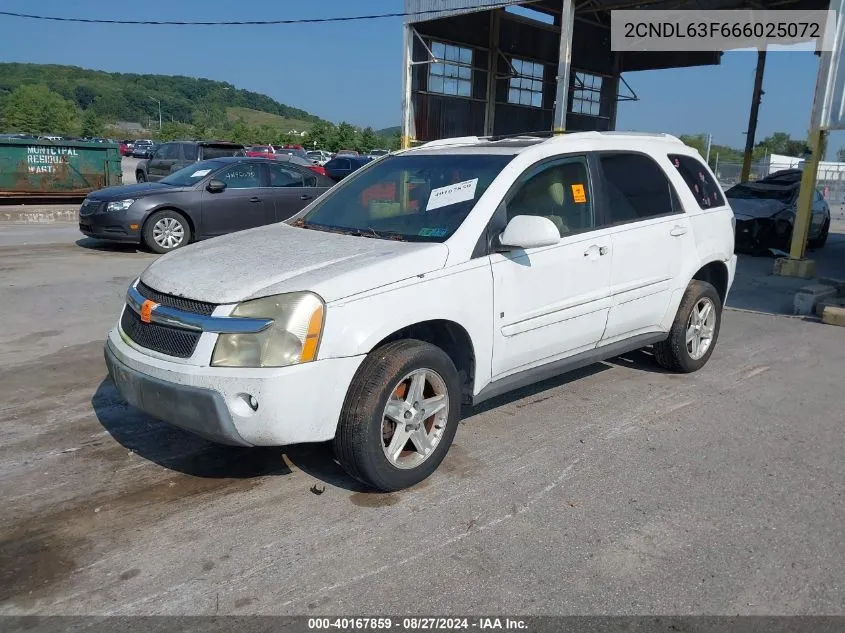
(830, 180)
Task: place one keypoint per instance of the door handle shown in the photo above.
(677, 231)
(305, 196)
(255, 199)
(602, 250)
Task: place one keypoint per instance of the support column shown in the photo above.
(492, 67)
(752, 117)
(407, 101)
(564, 66)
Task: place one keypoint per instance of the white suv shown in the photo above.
(438, 276)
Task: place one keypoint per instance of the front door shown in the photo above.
(551, 302)
(241, 205)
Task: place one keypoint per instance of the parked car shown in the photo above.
(765, 212)
(293, 158)
(173, 156)
(372, 316)
(141, 148)
(341, 166)
(125, 150)
(319, 157)
(203, 200)
(296, 150)
(378, 153)
(260, 151)
(346, 152)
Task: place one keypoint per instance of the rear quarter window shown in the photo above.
(701, 185)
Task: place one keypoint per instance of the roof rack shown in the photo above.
(549, 135)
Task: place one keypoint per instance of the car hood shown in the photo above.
(138, 190)
(280, 258)
(756, 207)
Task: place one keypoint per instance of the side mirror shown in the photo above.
(216, 186)
(529, 231)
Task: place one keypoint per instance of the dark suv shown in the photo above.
(173, 156)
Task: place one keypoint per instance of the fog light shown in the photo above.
(134, 227)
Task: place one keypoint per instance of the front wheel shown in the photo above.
(140, 176)
(400, 415)
(820, 241)
(694, 332)
(165, 231)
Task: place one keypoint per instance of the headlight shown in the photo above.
(120, 205)
(292, 338)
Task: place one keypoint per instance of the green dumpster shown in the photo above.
(56, 168)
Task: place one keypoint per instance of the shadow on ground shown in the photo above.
(105, 246)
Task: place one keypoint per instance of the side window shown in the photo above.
(635, 188)
(242, 176)
(702, 186)
(189, 151)
(284, 177)
(343, 163)
(171, 151)
(559, 191)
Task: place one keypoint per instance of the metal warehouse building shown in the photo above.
(474, 68)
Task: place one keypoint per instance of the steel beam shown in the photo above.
(752, 117)
(407, 100)
(564, 66)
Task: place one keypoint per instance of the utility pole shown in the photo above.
(752, 117)
(709, 141)
(159, 110)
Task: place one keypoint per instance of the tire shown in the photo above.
(820, 241)
(365, 431)
(161, 226)
(140, 176)
(676, 353)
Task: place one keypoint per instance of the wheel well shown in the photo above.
(716, 274)
(182, 213)
(448, 336)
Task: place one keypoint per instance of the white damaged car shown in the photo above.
(431, 278)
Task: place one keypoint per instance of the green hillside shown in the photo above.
(132, 97)
(257, 117)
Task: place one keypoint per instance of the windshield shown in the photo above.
(219, 151)
(296, 151)
(192, 174)
(260, 148)
(751, 191)
(422, 198)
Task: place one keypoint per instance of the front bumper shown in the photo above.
(296, 404)
(114, 225)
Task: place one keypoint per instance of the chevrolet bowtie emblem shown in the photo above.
(147, 311)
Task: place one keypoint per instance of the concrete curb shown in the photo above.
(47, 214)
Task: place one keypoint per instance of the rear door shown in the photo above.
(165, 157)
(650, 234)
(241, 205)
(291, 188)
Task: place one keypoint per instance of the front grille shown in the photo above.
(159, 338)
(172, 301)
(90, 207)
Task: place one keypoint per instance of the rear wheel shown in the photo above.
(165, 231)
(140, 176)
(400, 415)
(820, 241)
(694, 332)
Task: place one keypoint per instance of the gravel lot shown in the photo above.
(619, 489)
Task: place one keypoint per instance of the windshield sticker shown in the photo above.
(435, 232)
(200, 173)
(578, 194)
(452, 194)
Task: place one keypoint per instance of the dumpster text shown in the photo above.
(42, 160)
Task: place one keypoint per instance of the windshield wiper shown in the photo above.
(371, 232)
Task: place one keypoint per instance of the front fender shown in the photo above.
(462, 294)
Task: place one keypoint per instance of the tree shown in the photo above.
(323, 134)
(92, 124)
(38, 110)
(782, 143)
(345, 138)
(368, 140)
(84, 96)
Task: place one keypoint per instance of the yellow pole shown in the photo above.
(803, 214)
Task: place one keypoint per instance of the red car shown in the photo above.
(125, 149)
(261, 151)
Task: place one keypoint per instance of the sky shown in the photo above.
(353, 71)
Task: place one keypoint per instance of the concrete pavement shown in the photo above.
(619, 489)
